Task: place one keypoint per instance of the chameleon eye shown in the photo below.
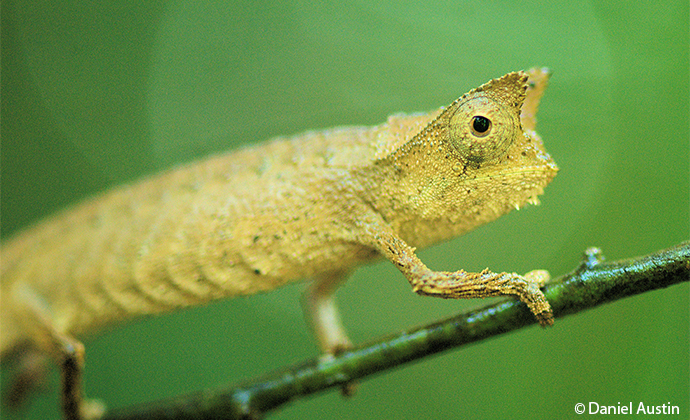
(481, 129)
(480, 126)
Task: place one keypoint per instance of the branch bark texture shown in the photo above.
(593, 283)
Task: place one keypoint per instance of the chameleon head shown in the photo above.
(476, 160)
(491, 130)
(492, 161)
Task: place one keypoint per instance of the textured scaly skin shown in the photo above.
(255, 219)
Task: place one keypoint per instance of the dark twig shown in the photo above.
(592, 284)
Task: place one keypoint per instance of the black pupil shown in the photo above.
(480, 124)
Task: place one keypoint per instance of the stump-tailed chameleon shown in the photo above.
(312, 206)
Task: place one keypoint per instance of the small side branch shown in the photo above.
(592, 284)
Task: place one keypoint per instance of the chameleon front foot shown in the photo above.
(322, 312)
(320, 309)
(535, 299)
(464, 285)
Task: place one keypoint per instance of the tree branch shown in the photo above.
(591, 284)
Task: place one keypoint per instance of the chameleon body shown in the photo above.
(310, 206)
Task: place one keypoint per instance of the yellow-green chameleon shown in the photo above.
(312, 206)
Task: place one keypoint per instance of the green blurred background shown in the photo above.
(96, 94)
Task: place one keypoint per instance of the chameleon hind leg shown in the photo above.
(70, 357)
(67, 351)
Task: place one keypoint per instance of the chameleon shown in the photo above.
(311, 206)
